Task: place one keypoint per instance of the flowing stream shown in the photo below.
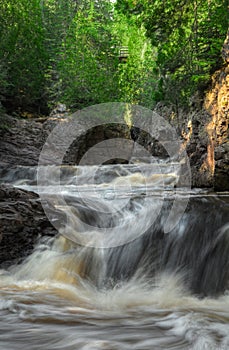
(115, 278)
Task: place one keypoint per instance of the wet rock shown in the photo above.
(91, 138)
(22, 222)
(222, 167)
(22, 142)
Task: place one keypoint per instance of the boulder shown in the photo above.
(21, 142)
(22, 223)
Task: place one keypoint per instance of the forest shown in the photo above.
(68, 51)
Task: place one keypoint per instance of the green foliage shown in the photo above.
(188, 36)
(87, 63)
(136, 76)
(66, 51)
(22, 52)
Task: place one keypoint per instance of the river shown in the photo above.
(115, 278)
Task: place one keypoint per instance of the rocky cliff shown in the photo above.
(203, 131)
(216, 104)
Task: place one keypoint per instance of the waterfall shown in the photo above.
(114, 277)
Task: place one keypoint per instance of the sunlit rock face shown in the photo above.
(217, 105)
(204, 129)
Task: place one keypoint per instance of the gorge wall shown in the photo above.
(203, 131)
(217, 105)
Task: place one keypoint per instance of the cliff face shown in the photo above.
(205, 131)
(217, 105)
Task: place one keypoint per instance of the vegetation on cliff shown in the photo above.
(68, 51)
(188, 36)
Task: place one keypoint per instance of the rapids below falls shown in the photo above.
(142, 287)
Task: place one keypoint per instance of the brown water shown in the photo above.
(159, 291)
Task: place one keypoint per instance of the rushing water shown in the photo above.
(159, 290)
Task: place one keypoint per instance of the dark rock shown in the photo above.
(222, 167)
(203, 130)
(22, 142)
(219, 153)
(22, 222)
(93, 137)
(151, 145)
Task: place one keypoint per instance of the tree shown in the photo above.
(136, 76)
(68, 51)
(22, 52)
(188, 36)
(87, 63)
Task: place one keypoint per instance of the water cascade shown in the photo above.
(114, 277)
